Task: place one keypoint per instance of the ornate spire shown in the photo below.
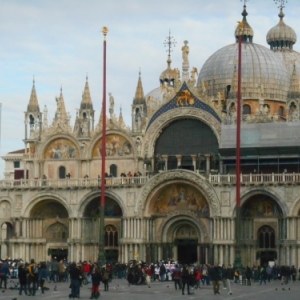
(139, 93)
(86, 102)
(294, 91)
(121, 120)
(33, 105)
(61, 114)
(45, 113)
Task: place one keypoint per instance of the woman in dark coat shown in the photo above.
(96, 279)
(22, 275)
(75, 276)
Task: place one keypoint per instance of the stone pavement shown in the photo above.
(120, 290)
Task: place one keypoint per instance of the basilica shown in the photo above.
(170, 184)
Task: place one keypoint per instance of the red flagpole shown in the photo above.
(101, 254)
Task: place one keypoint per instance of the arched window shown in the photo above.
(62, 172)
(266, 237)
(111, 236)
(246, 109)
(113, 170)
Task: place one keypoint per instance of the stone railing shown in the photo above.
(72, 183)
(246, 179)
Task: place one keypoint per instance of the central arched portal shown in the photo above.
(186, 240)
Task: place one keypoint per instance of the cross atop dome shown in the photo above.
(282, 2)
(169, 42)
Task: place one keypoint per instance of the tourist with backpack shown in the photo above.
(32, 278)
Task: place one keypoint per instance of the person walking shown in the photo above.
(216, 275)
(4, 274)
(75, 277)
(96, 279)
(248, 275)
(22, 275)
(263, 275)
(32, 278)
(177, 277)
(229, 276)
(42, 277)
(185, 278)
(105, 277)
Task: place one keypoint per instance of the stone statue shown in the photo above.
(111, 102)
(147, 163)
(160, 163)
(185, 52)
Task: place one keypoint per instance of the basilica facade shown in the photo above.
(170, 183)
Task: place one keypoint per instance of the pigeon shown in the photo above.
(167, 286)
(283, 289)
(289, 289)
(14, 299)
(149, 286)
(3, 291)
(55, 288)
(276, 289)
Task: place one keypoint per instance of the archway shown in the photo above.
(54, 227)
(186, 137)
(186, 240)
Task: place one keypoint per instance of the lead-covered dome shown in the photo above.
(264, 74)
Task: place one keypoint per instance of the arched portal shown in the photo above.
(112, 231)
(261, 223)
(50, 221)
(183, 138)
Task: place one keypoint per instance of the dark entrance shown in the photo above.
(58, 254)
(187, 250)
(111, 256)
(266, 257)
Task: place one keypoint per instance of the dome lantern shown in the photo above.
(247, 31)
(281, 36)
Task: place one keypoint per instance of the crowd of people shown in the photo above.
(187, 277)
(33, 276)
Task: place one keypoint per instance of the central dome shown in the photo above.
(263, 72)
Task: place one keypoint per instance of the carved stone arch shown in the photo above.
(162, 178)
(176, 114)
(98, 138)
(190, 218)
(95, 194)
(26, 210)
(245, 195)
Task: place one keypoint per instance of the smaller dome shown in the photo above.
(281, 36)
(168, 75)
(247, 31)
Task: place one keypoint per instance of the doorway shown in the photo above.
(266, 257)
(58, 254)
(186, 250)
